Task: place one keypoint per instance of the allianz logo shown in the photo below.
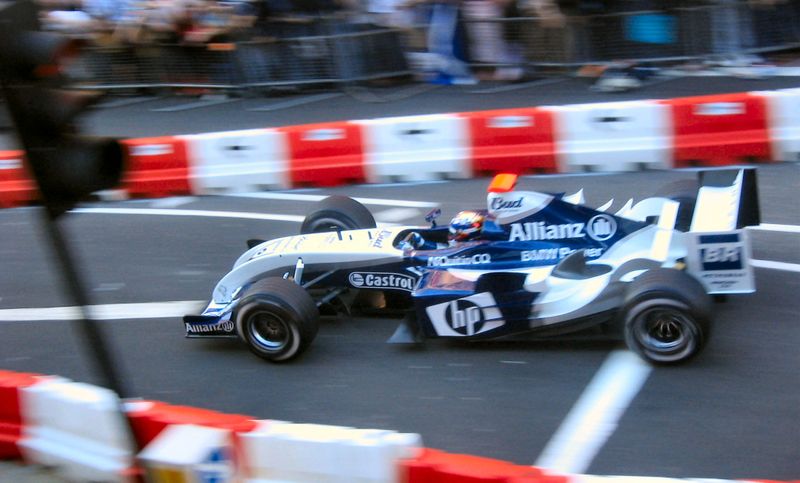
(600, 228)
(225, 326)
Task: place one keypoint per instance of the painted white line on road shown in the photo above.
(595, 416)
(173, 202)
(364, 201)
(774, 227)
(394, 215)
(787, 267)
(206, 213)
(154, 310)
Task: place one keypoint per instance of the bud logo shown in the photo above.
(499, 204)
(381, 280)
(601, 227)
(477, 259)
(464, 317)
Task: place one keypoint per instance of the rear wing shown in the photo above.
(727, 200)
(718, 244)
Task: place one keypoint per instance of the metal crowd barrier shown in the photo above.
(644, 36)
(351, 53)
(336, 52)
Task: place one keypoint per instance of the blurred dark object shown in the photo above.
(67, 166)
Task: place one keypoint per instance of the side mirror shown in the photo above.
(432, 216)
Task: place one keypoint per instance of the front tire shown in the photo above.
(277, 319)
(337, 213)
(666, 316)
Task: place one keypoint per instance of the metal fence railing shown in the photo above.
(336, 52)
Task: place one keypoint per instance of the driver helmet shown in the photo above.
(466, 225)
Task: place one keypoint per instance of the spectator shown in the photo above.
(490, 43)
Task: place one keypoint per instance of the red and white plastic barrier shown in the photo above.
(156, 167)
(416, 148)
(512, 141)
(711, 130)
(11, 418)
(327, 154)
(16, 186)
(619, 136)
(784, 122)
(77, 428)
(80, 431)
(720, 130)
(248, 160)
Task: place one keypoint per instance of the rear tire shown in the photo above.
(666, 316)
(337, 213)
(277, 319)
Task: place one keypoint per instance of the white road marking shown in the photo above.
(774, 227)
(173, 202)
(787, 267)
(364, 201)
(394, 215)
(595, 416)
(404, 184)
(207, 213)
(154, 310)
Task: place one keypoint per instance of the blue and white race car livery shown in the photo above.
(529, 264)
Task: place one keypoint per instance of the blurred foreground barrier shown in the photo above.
(11, 418)
(314, 453)
(434, 466)
(720, 130)
(614, 136)
(416, 148)
(512, 141)
(254, 159)
(78, 429)
(189, 453)
(16, 187)
(149, 418)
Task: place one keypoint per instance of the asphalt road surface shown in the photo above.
(569, 405)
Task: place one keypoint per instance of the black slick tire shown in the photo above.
(666, 316)
(277, 319)
(336, 213)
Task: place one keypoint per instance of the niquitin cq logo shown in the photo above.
(464, 317)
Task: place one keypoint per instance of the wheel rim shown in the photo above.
(269, 331)
(666, 333)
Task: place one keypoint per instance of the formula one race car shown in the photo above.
(530, 264)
